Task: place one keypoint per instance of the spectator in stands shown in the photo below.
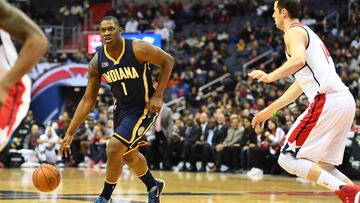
(174, 146)
(47, 147)
(224, 17)
(81, 135)
(203, 122)
(164, 33)
(131, 25)
(240, 46)
(308, 21)
(355, 43)
(98, 145)
(275, 134)
(77, 11)
(202, 149)
(145, 20)
(248, 141)
(62, 124)
(161, 129)
(320, 16)
(17, 140)
(157, 20)
(227, 151)
(30, 140)
(85, 143)
(169, 23)
(190, 133)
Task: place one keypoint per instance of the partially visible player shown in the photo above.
(15, 85)
(316, 142)
(125, 65)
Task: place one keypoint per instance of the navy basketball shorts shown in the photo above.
(131, 124)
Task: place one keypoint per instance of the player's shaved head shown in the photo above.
(112, 18)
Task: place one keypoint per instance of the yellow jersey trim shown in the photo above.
(123, 139)
(121, 55)
(110, 182)
(147, 169)
(145, 83)
(130, 150)
(152, 122)
(140, 136)
(133, 133)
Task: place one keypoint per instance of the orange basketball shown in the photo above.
(46, 178)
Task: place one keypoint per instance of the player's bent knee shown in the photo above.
(128, 158)
(285, 161)
(115, 147)
(132, 158)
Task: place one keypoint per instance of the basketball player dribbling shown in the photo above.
(316, 142)
(124, 64)
(15, 85)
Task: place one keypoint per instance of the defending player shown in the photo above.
(15, 85)
(316, 141)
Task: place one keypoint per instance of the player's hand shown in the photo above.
(154, 105)
(260, 118)
(65, 146)
(3, 93)
(261, 76)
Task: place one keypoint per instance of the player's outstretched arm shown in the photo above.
(85, 105)
(145, 52)
(24, 29)
(290, 95)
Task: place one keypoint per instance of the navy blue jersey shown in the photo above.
(130, 81)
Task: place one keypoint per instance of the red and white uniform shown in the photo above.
(319, 133)
(18, 99)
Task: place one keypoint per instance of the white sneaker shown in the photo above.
(255, 174)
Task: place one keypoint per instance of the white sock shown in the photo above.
(329, 181)
(335, 172)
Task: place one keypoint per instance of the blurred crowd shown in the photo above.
(213, 133)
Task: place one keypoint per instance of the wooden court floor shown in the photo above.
(83, 185)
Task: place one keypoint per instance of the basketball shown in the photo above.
(46, 178)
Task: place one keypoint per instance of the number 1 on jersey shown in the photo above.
(124, 88)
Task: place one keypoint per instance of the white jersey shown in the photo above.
(318, 76)
(8, 53)
(18, 99)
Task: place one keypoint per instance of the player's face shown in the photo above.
(109, 31)
(277, 16)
